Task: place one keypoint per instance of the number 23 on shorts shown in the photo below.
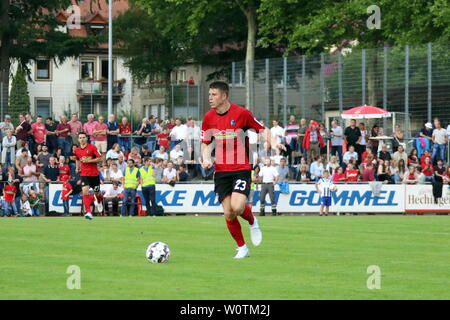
(240, 185)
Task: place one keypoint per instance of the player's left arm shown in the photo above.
(254, 124)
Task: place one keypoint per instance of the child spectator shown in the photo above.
(339, 176)
(25, 208)
(34, 199)
(351, 173)
(427, 169)
(411, 177)
(163, 138)
(64, 169)
(66, 193)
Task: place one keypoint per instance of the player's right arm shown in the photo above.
(206, 146)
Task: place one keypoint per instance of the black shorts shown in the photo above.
(91, 181)
(228, 182)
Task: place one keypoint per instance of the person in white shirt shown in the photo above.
(160, 154)
(115, 174)
(112, 198)
(440, 140)
(349, 155)
(316, 169)
(176, 153)
(178, 134)
(277, 132)
(269, 175)
(400, 154)
(25, 208)
(170, 174)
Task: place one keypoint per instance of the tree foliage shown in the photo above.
(19, 98)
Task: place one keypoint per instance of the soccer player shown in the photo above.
(227, 124)
(323, 188)
(87, 157)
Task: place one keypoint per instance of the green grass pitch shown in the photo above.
(299, 258)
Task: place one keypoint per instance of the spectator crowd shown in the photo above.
(36, 151)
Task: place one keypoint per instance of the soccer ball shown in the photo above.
(333, 188)
(157, 252)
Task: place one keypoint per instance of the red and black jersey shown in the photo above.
(229, 131)
(91, 152)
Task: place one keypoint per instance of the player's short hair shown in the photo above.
(220, 85)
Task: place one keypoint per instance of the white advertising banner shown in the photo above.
(419, 198)
(302, 198)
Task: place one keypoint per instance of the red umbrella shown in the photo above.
(365, 112)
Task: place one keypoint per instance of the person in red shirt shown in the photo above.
(351, 173)
(66, 193)
(64, 138)
(226, 124)
(9, 195)
(64, 169)
(368, 173)
(39, 130)
(87, 157)
(427, 169)
(125, 133)
(163, 138)
(339, 175)
(426, 154)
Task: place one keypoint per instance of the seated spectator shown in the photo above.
(446, 176)
(207, 173)
(114, 153)
(176, 153)
(393, 170)
(413, 159)
(400, 154)
(125, 134)
(22, 159)
(332, 165)
(170, 174)
(384, 154)
(145, 152)
(303, 175)
(115, 175)
(182, 173)
(422, 178)
(383, 173)
(350, 154)
(351, 173)
(35, 199)
(112, 198)
(426, 154)
(368, 173)
(411, 177)
(316, 169)
(160, 154)
(368, 160)
(339, 176)
(427, 169)
(158, 170)
(368, 152)
(401, 170)
(134, 154)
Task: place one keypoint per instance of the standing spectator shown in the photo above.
(425, 138)
(440, 140)
(312, 141)
(155, 130)
(51, 137)
(125, 135)
(39, 131)
(75, 128)
(49, 174)
(99, 134)
(113, 131)
(336, 140)
(301, 136)
(171, 124)
(374, 143)
(398, 137)
(325, 137)
(291, 133)
(352, 135)
(316, 169)
(131, 179)
(163, 139)
(5, 126)
(67, 191)
(277, 132)
(178, 135)
(269, 175)
(9, 148)
(64, 139)
(161, 153)
(89, 127)
(362, 141)
(9, 195)
(439, 171)
(22, 130)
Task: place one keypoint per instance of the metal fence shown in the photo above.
(187, 101)
(412, 81)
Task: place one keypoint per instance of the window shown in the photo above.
(104, 70)
(43, 107)
(182, 75)
(87, 70)
(96, 29)
(43, 69)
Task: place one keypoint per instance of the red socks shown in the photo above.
(248, 215)
(87, 200)
(235, 230)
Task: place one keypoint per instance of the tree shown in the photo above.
(30, 29)
(19, 99)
